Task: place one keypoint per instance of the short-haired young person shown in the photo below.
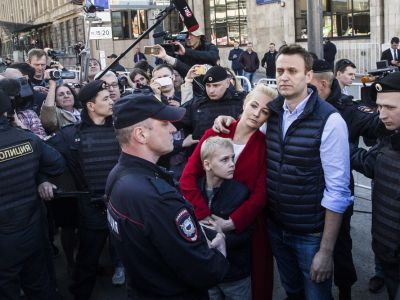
(223, 195)
(345, 72)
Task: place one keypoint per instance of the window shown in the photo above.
(128, 24)
(341, 18)
(228, 22)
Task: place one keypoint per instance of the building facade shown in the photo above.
(361, 29)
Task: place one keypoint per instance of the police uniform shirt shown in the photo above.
(154, 229)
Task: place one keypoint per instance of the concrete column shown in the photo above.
(314, 27)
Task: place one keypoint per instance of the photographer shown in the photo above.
(196, 51)
(28, 72)
(37, 58)
(60, 107)
(21, 94)
(78, 48)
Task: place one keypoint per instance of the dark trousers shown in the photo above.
(392, 279)
(344, 271)
(24, 264)
(238, 72)
(91, 244)
(270, 73)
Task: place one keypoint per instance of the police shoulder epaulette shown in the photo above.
(49, 137)
(365, 109)
(67, 125)
(161, 186)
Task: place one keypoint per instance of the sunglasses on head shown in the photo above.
(74, 85)
(346, 62)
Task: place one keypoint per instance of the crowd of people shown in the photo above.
(194, 184)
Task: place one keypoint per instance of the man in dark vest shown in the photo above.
(361, 121)
(308, 177)
(91, 151)
(382, 163)
(23, 225)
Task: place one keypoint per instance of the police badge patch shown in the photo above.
(186, 226)
(365, 109)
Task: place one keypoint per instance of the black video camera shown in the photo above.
(55, 54)
(61, 74)
(169, 38)
(20, 93)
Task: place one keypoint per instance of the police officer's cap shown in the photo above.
(133, 109)
(321, 66)
(389, 83)
(90, 90)
(215, 74)
(5, 102)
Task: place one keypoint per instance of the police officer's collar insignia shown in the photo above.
(186, 226)
(378, 87)
(365, 109)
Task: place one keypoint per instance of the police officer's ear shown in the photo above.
(140, 134)
(90, 106)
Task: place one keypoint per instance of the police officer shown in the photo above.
(382, 163)
(154, 229)
(91, 151)
(220, 99)
(361, 121)
(23, 233)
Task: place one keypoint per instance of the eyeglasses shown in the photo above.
(114, 85)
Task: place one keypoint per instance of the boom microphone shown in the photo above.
(187, 15)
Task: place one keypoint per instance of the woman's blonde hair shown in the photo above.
(263, 89)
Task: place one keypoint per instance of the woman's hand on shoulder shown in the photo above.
(221, 124)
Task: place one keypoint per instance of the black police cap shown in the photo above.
(133, 109)
(389, 83)
(321, 66)
(215, 74)
(90, 90)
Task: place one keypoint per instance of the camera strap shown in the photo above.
(200, 85)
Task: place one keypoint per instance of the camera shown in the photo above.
(55, 54)
(169, 38)
(78, 47)
(60, 74)
(20, 93)
(122, 81)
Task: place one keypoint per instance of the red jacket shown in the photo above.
(250, 169)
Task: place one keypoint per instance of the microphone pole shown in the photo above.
(161, 16)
